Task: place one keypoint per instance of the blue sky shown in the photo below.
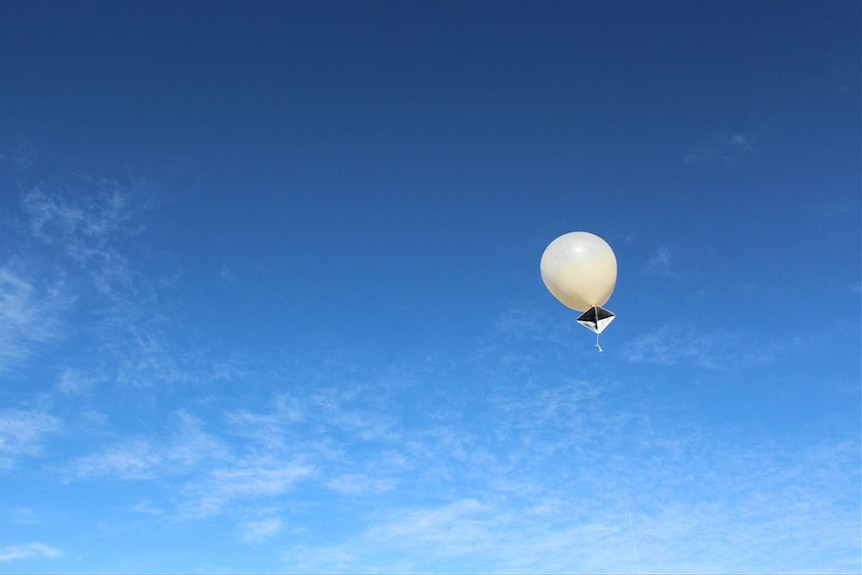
(271, 297)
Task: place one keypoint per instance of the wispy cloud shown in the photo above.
(528, 323)
(674, 344)
(23, 433)
(32, 550)
(86, 266)
(260, 530)
(660, 263)
(542, 491)
(529, 475)
(681, 344)
(832, 211)
(133, 459)
(834, 217)
(255, 477)
(86, 219)
(32, 314)
(252, 478)
(453, 529)
(726, 148)
(149, 458)
(704, 521)
(205, 471)
(76, 381)
(361, 484)
(23, 516)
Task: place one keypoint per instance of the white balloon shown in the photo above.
(580, 269)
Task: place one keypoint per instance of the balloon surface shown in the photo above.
(580, 269)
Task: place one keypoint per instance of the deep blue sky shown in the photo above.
(271, 297)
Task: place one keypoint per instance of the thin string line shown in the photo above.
(632, 530)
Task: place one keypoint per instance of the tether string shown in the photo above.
(598, 333)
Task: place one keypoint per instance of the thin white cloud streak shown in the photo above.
(674, 344)
(727, 148)
(529, 324)
(260, 530)
(23, 516)
(215, 490)
(527, 476)
(76, 381)
(361, 484)
(134, 459)
(838, 218)
(680, 344)
(34, 550)
(660, 263)
(81, 228)
(453, 529)
(545, 422)
(148, 458)
(23, 433)
(207, 471)
(86, 218)
(350, 413)
(542, 493)
(32, 314)
(752, 518)
(832, 212)
(748, 501)
(85, 233)
(253, 477)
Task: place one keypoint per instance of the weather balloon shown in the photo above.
(580, 270)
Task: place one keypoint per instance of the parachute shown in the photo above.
(580, 270)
